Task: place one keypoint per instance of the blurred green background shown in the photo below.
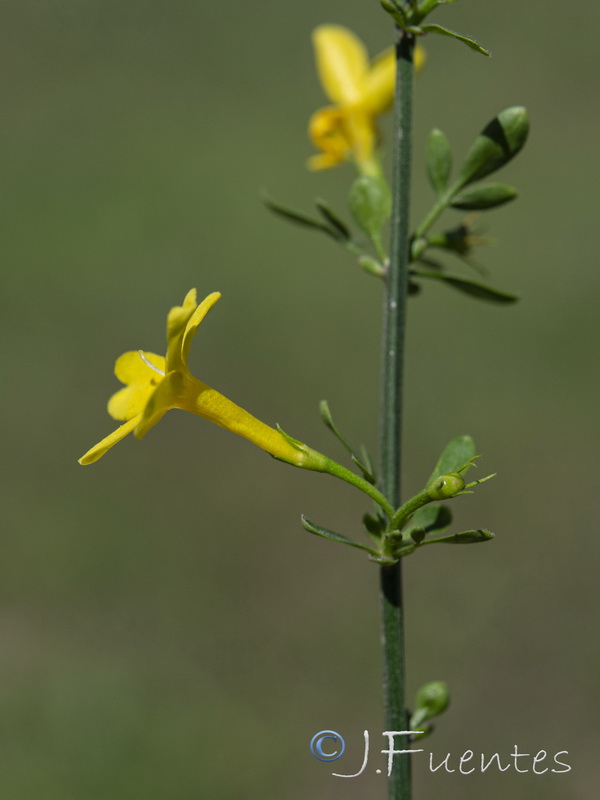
(168, 629)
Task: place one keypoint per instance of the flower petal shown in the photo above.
(130, 401)
(177, 319)
(342, 63)
(420, 58)
(130, 369)
(380, 82)
(163, 398)
(101, 448)
(327, 132)
(194, 321)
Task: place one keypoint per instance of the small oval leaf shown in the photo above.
(469, 286)
(496, 145)
(370, 204)
(481, 198)
(457, 452)
(439, 160)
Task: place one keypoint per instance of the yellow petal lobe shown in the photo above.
(194, 321)
(177, 320)
(98, 450)
(131, 369)
(342, 63)
(380, 83)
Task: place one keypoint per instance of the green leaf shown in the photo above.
(301, 218)
(483, 197)
(439, 160)
(333, 220)
(429, 519)
(456, 453)
(370, 204)
(469, 286)
(465, 39)
(325, 533)
(496, 145)
(465, 537)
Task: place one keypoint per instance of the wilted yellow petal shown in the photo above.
(342, 63)
(194, 321)
(101, 448)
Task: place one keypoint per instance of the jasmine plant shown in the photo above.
(360, 91)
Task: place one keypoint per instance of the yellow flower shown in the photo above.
(154, 384)
(360, 92)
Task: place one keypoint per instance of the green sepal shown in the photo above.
(458, 452)
(439, 160)
(431, 700)
(468, 286)
(370, 204)
(496, 145)
(333, 220)
(427, 520)
(302, 218)
(374, 526)
(465, 537)
(366, 459)
(480, 198)
(295, 443)
(464, 39)
(365, 465)
(325, 533)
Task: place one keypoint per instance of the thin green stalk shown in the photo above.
(343, 473)
(392, 613)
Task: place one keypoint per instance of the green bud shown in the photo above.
(431, 700)
(446, 486)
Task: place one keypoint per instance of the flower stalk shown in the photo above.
(394, 314)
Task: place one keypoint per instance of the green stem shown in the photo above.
(406, 510)
(392, 613)
(432, 216)
(343, 473)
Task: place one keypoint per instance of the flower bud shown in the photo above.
(446, 486)
(431, 700)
